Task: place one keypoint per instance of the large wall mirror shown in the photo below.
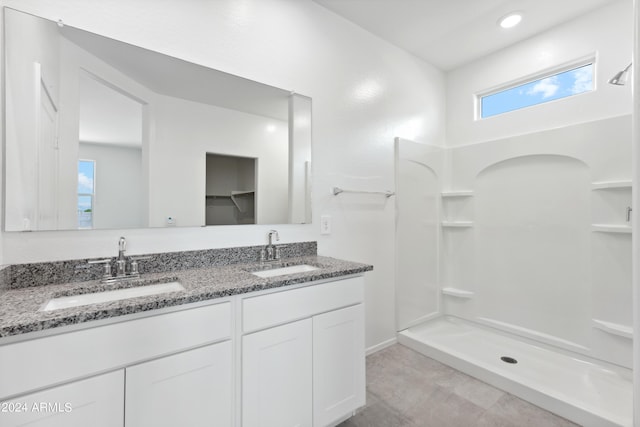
(101, 134)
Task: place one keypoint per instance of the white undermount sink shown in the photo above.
(106, 296)
(280, 271)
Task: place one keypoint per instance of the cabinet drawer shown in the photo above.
(96, 402)
(60, 358)
(281, 307)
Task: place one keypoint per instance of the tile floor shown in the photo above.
(407, 389)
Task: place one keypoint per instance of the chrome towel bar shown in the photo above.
(338, 190)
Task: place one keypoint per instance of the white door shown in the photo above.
(418, 171)
(276, 376)
(192, 389)
(338, 364)
(95, 402)
(47, 205)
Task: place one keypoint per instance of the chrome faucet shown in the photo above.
(126, 267)
(121, 262)
(122, 247)
(270, 252)
(271, 234)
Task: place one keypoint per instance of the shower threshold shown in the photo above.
(583, 391)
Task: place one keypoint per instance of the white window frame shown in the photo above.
(92, 194)
(547, 72)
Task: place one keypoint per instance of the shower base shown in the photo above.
(581, 390)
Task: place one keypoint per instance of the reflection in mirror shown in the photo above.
(230, 190)
(101, 134)
(110, 185)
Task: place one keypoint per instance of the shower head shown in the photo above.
(621, 77)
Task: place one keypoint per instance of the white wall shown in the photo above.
(635, 220)
(184, 132)
(31, 43)
(76, 61)
(606, 32)
(365, 92)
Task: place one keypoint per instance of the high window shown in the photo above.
(576, 80)
(86, 192)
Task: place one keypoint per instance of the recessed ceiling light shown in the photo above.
(510, 20)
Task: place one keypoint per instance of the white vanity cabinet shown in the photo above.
(285, 357)
(303, 355)
(193, 389)
(175, 367)
(96, 402)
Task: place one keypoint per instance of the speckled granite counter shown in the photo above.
(19, 308)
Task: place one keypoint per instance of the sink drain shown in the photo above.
(508, 359)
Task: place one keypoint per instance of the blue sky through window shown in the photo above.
(85, 176)
(86, 187)
(561, 85)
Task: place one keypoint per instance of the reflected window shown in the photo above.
(548, 88)
(86, 192)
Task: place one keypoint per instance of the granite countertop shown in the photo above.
(19, 308)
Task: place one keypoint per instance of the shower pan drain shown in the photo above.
(508, 359)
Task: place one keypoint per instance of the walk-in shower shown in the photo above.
(519, 250)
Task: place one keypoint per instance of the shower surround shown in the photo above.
(527, 239)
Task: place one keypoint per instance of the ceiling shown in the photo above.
(107, 116)
(174, 77)
(450, 33)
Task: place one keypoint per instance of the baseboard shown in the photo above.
(381, 346)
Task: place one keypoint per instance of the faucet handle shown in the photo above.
(134, 263)
(107, 266)
(277, 251)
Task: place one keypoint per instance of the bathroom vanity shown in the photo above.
(231, 349)
(208, 337)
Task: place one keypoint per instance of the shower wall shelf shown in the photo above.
(608, 185)
(458, 293)
(611, 228)
(457, 224)
(613, 328)
(461, 193)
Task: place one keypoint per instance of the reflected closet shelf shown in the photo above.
(457, 224)
(611, 228)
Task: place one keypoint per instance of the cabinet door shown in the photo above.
(276, 377)
(192, 389)
(96, 402)
(338, 364)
